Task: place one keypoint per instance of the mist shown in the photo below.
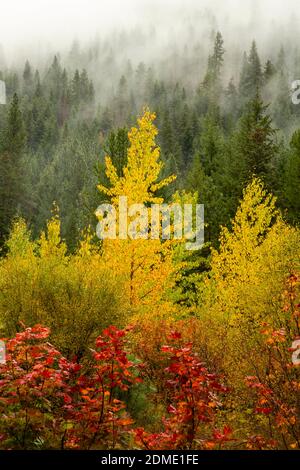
(38, 26)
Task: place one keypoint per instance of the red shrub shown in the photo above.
(49, 402)
(193, 403)
(34, 386)
(100, 417)
(276, 395)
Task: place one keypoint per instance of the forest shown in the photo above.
(142, 344)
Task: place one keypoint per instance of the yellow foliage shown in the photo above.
(244, 288)
(75, 295)
(254, 258)
(140, 176)
(145, 265)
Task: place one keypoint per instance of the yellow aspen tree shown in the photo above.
(146, 265)
(244, 288)
(247, 270)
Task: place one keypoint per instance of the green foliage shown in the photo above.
(75, 295)
(255, 139)
(251, 78)
(292, 178)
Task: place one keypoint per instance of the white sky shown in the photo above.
(55, 20)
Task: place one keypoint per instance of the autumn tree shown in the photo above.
(244, 288)
(146, 264)
(244, 256)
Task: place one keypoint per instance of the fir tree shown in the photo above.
(251, 78)
(255, 140)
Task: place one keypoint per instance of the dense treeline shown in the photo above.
(214, 136)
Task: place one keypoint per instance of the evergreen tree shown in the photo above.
(76, 88)
(186, 135)
(15, 137)
(269, 71)
(65, 100)
(215, 62)
(254, 140)
(27, 78)
(53, 79)
(282, 104)
(117, 147)
(231, 106)
(251, 78)
(209, 194)
(210, 90)
(122, 102)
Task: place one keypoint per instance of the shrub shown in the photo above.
(47, 401)
(193, 403)
(73, 294)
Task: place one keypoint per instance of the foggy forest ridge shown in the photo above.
(154, 32)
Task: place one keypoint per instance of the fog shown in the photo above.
(40, 24)
(172, 37)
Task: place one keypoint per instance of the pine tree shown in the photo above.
(269, 71)
(231, 106)
(254, 140)
(53, 79)
(211, 144)
(27, 78)
(12, 83)
(122, 102)
(215, 62)
(281, 103)
(208, 193)
(76, 88)
(251, 78)
(106, 120)
(255, 71)
(15, 137)
(169, 144)
(65, 100)
(117, 147)
(186, 136)
(210, 90)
